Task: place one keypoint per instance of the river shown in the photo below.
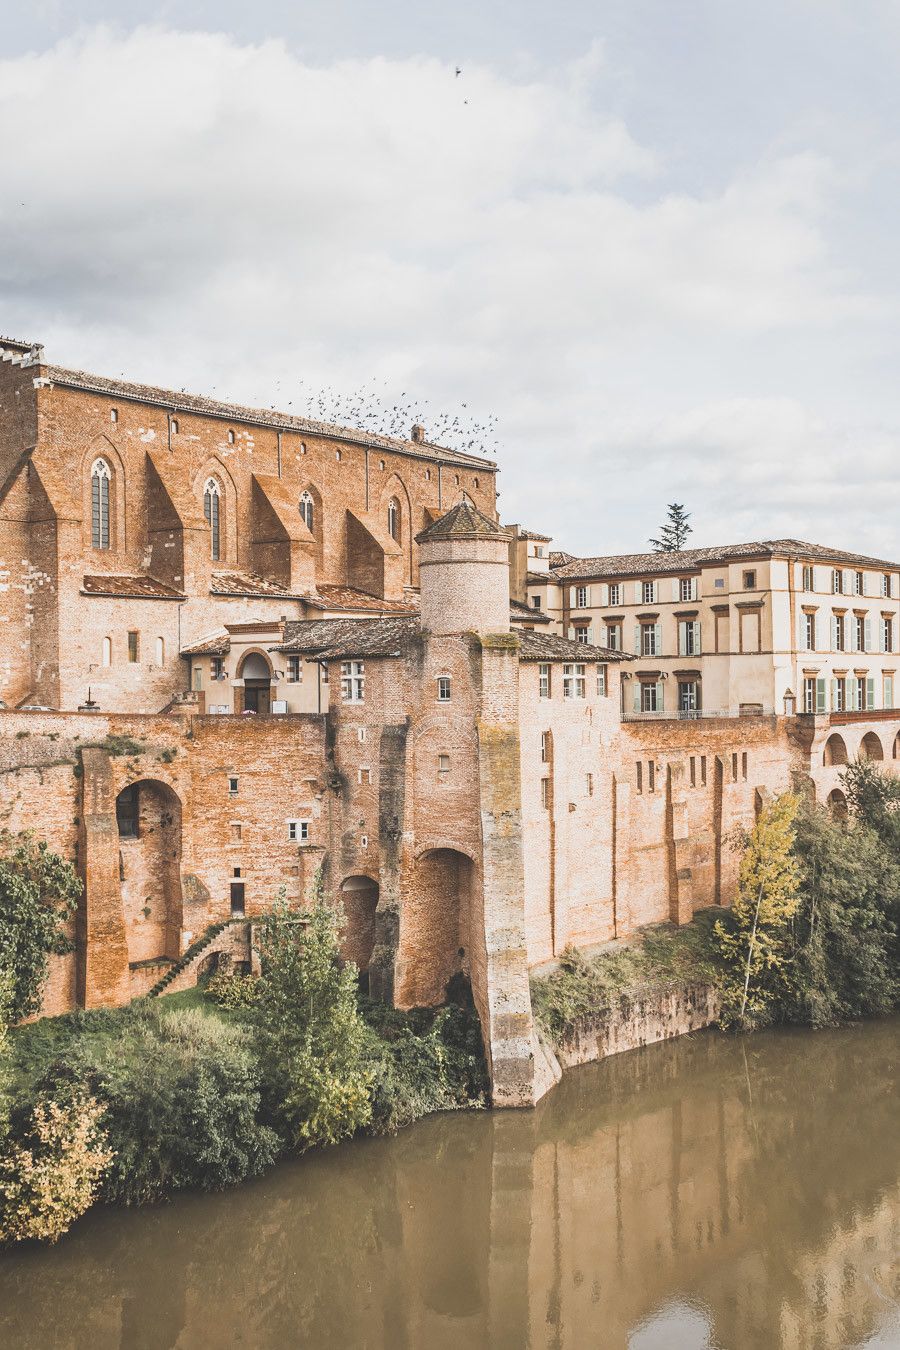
(736, 1193)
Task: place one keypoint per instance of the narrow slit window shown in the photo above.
(100, 480)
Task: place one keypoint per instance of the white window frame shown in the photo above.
(615, 593)
(353, 681)
(298, 830)
(545, 681)
(443, 689)
(574, 681)
(294, 668)
(602, 681)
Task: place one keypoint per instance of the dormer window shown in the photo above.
(211, 501)
(100, 479)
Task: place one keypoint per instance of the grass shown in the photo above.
(588, 986)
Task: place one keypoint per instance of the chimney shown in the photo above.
(418, 434)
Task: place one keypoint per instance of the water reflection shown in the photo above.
(706, 1193)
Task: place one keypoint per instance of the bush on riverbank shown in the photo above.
(588, 986)
(140, 1102)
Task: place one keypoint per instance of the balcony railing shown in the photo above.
(699, 714)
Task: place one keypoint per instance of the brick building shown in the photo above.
(471, 774)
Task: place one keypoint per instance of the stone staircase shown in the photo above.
(190, 955)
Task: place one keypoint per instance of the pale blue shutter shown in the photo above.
(637, 696)
(870, 693)
(637, 639)
(834, 634)
(867, 635)
(660, 696)
(657, 639)
(818, 627)
(821, 695)
(697, 638)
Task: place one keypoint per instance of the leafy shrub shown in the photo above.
(232, 991)
(38, 895)
(423, 1061)
(6, 1066)
(50, 1179)
(181, 1092)
(311, 1040)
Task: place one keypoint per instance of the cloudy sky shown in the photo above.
(656, 241)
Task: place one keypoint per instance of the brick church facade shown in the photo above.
(240, 649)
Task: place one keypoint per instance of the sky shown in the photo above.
(640, 251)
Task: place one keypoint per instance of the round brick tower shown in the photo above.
(464, 573)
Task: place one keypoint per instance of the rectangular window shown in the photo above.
(651, 700)
(581, 597)
(686, 588)
(809, 694)
(838, 700)
(648, 592)
(237, 897)
(443, 689)
(544, 680)
(217, 668)
(860, 693)
(703, 770)
(574, 682)
(535, 602)
(364, 777)
(639, 776)
(601, 682)
(860, 630)
(885, 583)
(298, 831)
(688, 696)
(650, 639)
(443, 766)
(688, 637)
(744, 766)
(838, 632)
(614, 637)
(236, 832)
(295, 668)
(887, 629)
(353, 682)
(808, 578)
(651, 776)
(749, 581)
(545, 747)
(545, 793)
(809, 632)
(582, 633)
(837, 581)
(858, 583)
(232, 787)
(615, 593)
(589, 784)
(734, 763)
(133, 646)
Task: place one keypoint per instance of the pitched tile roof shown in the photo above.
(210, 407)
(551, 647)
(332, 639)
(137, 587)
(248, 583)
(519, 613)
(345, 597)
(642, 564)
(463, 521)
(558, 557)
(217, 644)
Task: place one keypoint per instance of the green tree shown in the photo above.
(38, 895)
(675, 530)
(873, 798)
(6, 1073)
(844, 932)
(754, 940)
(312, 1042)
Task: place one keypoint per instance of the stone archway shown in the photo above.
(256, 693)
(835, 751)
(148, 818)
(359, 897)
(837, 804)
(871, 747)
(435, 927)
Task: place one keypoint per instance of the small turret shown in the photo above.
(464, 573)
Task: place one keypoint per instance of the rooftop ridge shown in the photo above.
(463, 521)
(625, 564)
(182, 401)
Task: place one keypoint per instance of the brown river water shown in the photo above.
(741, 1193)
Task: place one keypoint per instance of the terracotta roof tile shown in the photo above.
(463, 521)
(641, 564)
(248, 583)
(332, 639)
(345, 597)
(217, 644)
(136, 587)
(519, 613)
(199, 403)
(551, 647)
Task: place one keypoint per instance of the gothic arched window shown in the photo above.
(393, 521)
(100, 479)
(211, 498)
(306, 511)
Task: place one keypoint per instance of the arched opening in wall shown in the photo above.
(435, 927)
(897, 746)
(308, 510)
(256, 673)
(212, 500)
(148, 818)
(835, 751)
(871, 747)
(394, 519)
(837, 804)
(100, 495)
(359, 897)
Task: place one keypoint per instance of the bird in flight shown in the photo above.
(458, 71)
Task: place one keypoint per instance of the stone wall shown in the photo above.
(639, 1019)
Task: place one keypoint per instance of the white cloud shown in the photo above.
(193, 211)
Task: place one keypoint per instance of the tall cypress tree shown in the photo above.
(674, 532)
